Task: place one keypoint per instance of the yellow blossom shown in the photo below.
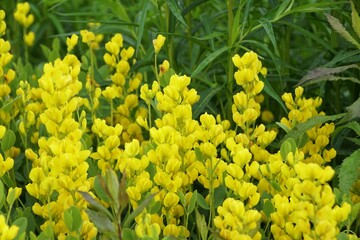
(158, 43)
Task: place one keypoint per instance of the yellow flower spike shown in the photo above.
(158, 43)
(71, 42)
(13, 194)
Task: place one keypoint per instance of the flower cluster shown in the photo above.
(25, 19)
(59, 169)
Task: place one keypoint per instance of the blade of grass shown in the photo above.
(140, 30)
(208, 60)
(174, 8)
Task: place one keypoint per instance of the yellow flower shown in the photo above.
(6, 232)
(13, 194)
(171, 199)
(158, 43)
(87, 36)
(29, 38)
(71, 42)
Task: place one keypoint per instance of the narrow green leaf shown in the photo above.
(283, 8)
(22, 224)
(140, 29)
(2, 194)
(174, 8)
(8, 140)
(138, 210)
(205, 98)
(355, 19)
(272, 93)
(236, 26)
(208, 60)
(102, 222)
(349, 172)
(99, 190)
(337, 25)
(297, 132)
(95, 204)
(201, 225)
(192, 203)
(267, 25)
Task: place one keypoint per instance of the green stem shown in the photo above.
(230, 72)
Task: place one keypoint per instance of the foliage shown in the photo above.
(159, 120)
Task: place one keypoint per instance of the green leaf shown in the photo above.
(72, 218)
(286, 147)
(201, 225)
(192, 203)
(95, 204)
(283, 9)
(22, 224)
(353, 112)
(205, 98)
(102, 222)
(165, 79)
(354, 214)
(174, 8)
(128, 233)
(327, 74)
(275, 185)
(201, 201)
(297, 132)
(208, 60)
(342, 236)
(138, 210)
(271, 92)
(8, 140)
(112, 185)
(99, 190)
(140, 29)
(349, 172)
(2, 194)
(33, 236)
(266, 24)
(335, 23)
(268, 207)
(355, 19)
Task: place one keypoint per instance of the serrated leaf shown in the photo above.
(349, 172)
(335, 23)
(208, 60)
(205, 98)
(8, 140)
(327, 74)
(355, 19)
(175, 10)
